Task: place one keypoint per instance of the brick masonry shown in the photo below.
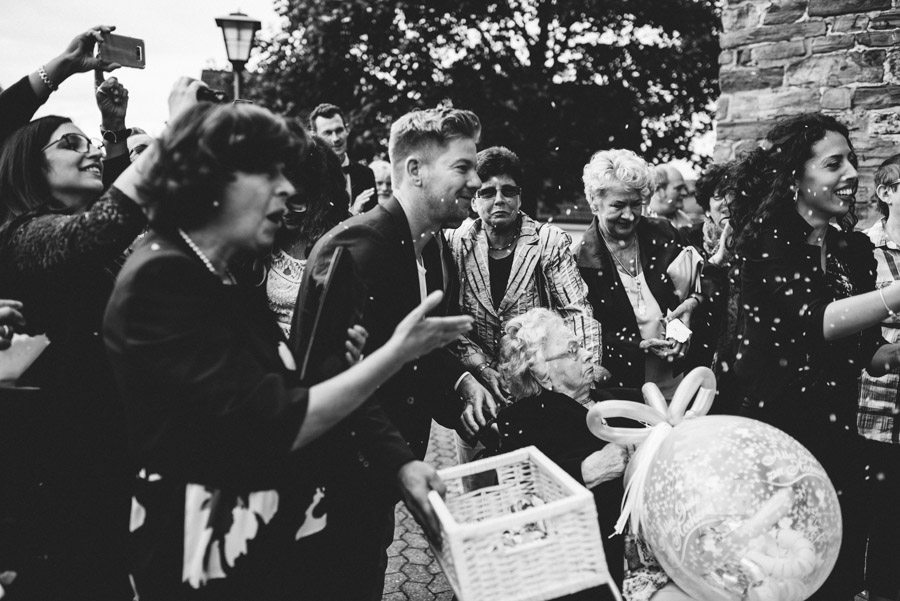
(841, 57)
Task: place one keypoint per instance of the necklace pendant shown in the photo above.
(641, 304)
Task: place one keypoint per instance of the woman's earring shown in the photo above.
(216, 203)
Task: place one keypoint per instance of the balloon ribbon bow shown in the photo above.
(659, 419)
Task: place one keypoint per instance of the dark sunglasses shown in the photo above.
(506, 191)
(77, 142)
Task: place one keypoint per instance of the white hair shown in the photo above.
(525, 336)
(617, 165)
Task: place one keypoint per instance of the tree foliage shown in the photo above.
(554, 80)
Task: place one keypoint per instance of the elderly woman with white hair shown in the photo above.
(626, 260)
(549, 375)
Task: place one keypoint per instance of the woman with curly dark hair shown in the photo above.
(812, 312)
(319, 203)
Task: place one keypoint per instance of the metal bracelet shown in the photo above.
(46, 79)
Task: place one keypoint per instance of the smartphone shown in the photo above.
(128, 52)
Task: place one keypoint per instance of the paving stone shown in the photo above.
(416, 591)
(392, 582)
(416, 540)
(418, 556)
(396, 546)
(417, 573)
(394, 564)
(440, 585)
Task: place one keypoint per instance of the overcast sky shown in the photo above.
(181, 38)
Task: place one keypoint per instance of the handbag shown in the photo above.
(684, 272)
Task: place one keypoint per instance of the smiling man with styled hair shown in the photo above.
(401, 256)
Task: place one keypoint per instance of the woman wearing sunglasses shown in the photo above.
(508, 264)
(61, 238)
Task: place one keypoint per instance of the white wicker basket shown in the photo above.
(550, 546)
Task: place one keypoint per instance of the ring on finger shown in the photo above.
(6, 332)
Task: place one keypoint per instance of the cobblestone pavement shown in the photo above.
(413, 573)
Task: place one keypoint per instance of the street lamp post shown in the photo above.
(239, 31)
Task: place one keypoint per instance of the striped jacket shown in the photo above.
(544, 245)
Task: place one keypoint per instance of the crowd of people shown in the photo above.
(183, 443)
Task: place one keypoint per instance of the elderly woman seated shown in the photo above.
(549, 375)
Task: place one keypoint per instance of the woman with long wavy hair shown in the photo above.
(812, 312)
(319, 204)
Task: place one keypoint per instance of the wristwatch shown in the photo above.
(115, 136)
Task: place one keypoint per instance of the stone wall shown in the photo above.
(841, 57)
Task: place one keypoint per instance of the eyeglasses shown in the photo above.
(506, 191)
(77, 142)
(571, 352)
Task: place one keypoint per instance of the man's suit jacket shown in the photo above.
(361, 179)
(381, 245)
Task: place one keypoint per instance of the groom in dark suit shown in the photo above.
(401, 256)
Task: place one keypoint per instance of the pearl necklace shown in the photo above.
(226, 278)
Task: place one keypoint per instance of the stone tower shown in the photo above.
(841, 57)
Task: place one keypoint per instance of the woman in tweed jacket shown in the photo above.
(509, 263)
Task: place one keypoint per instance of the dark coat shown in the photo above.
(789, 375)
(361, 179)
(658, 243)
(381, 245)
(210, 401)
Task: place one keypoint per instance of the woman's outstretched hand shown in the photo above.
(418, 335)
(79, 54)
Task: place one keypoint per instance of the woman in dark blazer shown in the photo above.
(624, 259)
(226, 506)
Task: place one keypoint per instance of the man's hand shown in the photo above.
(478, 401)
(10, 320)
(356, 340)
(416, 480)
(360, 202)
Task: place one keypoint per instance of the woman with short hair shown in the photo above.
(550, 376)
(227, 501)
(625, 259)
(509, 263)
